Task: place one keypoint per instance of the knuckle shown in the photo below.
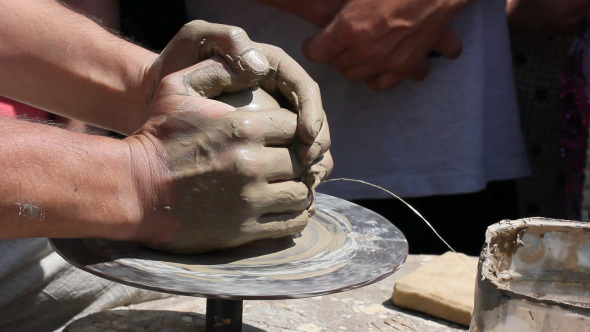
(192, 24)
(296, 196)
(245, 163)
(237, 33)
(242, 127)
(277, 52)
(191, 28)
(170, 82)
(312, 86)
(353, 31)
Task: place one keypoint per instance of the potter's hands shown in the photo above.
(216, 177)
(546, 16)
(384, 42)
(252, 63)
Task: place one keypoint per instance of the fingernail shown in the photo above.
(254, 62)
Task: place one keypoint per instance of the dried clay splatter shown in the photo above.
(30, 211)
(411, 208)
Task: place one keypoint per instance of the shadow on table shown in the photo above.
(420, 317)
(143, 321)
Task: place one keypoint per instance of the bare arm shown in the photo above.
(144, 188)
(106, 11)
(59, 60)
(61, 183)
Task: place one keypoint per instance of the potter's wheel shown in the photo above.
(343, 247)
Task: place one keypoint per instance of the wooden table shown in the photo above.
(365, 309)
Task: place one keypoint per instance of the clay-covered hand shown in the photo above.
(215, 177)
(546, 16)
(384, 42)
(253, 63)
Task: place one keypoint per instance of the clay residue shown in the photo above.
(532, 270)
(323, 247)
(30, 211)
(237, 178)
(532, 248)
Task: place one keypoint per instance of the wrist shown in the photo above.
(149, 79)
(141, 84)
(119, 204)
(153, 190)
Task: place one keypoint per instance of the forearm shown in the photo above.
(57, 183)
(64, 62)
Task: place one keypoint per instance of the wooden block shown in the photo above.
(443, 287)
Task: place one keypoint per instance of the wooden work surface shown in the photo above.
(365, 309)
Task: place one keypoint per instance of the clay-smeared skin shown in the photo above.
(257, 99)
(236, 175)
(252, 63)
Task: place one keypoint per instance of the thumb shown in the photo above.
(200, 40)
(449, 43)
(209, 78)
(324, 46)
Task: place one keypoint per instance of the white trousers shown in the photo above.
(39, 291)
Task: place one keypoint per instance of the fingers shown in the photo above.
(324, 46)
(319, 171)
(385, 81)
(279, 225)
(273, 127)
(361, 63)
(360, 73)
(208, 79)
(308, 153)
(288, 78)
(389, 79)
(449, 44)
(280, 197)
(200, 40)
(280, 164)
(311, 210)
(232, 43)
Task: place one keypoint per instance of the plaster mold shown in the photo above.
(534, 275)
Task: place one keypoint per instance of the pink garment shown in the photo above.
(14, 109)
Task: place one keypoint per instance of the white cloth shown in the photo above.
(39, 291)
(449, 134)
